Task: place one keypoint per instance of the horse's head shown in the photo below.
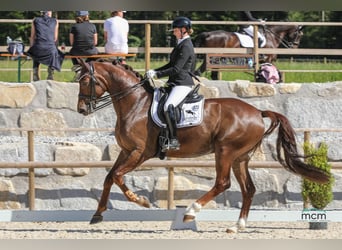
(288, 36)
(91, 87)
(120, 81)
(294, 36)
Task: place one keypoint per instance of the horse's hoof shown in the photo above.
(232, 230)
(188, 218)
(96, 219)
(144, 202)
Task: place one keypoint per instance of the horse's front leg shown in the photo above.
(123, 165)
(130, 195)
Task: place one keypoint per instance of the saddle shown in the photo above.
(188, 113)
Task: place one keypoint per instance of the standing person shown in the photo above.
(179, 70)
(116, 30)
(43, 48)
(83, 36)
(249, 29)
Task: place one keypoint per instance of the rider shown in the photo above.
(249, 29)
(178, 69)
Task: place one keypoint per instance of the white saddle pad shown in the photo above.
(246, 41)
(191, 113)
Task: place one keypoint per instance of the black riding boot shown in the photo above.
(170, 118)
(50, 73)
(259, 42)
(36, 74)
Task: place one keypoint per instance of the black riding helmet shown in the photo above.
(181, 22)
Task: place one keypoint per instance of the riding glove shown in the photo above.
(262, 21)
(151, 74)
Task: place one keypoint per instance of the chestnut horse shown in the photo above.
(231, 128)
(288, 36)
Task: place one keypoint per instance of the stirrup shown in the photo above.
(172, 144)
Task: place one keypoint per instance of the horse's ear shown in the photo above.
(82, 63)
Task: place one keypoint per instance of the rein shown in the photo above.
(93, 100)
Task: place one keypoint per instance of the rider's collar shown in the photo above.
(182, 39)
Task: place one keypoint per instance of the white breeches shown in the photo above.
(177, 95)
(250, 31)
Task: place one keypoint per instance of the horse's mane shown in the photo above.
(281, 28)
(118, 62)
(147, 86)
(128, 68)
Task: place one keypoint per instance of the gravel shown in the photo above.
(161, 230)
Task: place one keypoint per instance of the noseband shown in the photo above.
(92, 100)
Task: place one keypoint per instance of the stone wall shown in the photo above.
(50, 104)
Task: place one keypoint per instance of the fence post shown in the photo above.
(307, 136)
(256, 50)
(147, 46)
(170, 190)
(32, 195)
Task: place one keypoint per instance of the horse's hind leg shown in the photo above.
(240, 170)
(123, 165)
(223, 165)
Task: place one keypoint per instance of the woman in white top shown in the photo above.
(116, 30)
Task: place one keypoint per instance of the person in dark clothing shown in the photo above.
(43, 48)
(83, 36)
(247, 16)
(178, 69)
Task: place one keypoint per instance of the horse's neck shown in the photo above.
(131, 101)
(128, 95)
(276, 35)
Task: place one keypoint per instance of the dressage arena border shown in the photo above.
(174, 215)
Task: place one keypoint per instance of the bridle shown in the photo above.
(298, 34)
(286, 43)
(92, 100)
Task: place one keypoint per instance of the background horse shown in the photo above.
(231, 128)
(288, 36)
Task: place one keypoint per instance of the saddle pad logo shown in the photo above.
(191, 113)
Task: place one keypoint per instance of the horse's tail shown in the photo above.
(287, 142)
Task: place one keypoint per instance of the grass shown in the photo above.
(299, 77)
